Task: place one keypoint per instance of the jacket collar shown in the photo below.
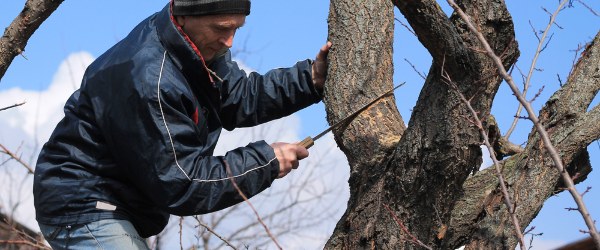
(183, 52)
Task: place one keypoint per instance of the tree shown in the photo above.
(420, 177)
(413, 185)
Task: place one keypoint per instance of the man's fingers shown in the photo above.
(322, 55)
(288, 156)
(301, 152)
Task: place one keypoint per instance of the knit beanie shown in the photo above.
(210, 7)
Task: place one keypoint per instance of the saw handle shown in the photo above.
(307, 142)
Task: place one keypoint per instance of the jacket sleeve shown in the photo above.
(166, 154)
(252, 99)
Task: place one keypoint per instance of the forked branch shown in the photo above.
(14, 156)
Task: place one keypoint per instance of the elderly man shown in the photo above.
(136, 143)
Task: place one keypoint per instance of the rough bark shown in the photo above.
(422, 176)
(359, 70)
(17, 34)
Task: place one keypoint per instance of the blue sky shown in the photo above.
(279, 33)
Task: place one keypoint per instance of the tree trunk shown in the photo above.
(411, 187)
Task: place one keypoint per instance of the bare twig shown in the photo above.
(23, 242)
(12, 106)
(232, 179)
(548, 42)
(560, 82)
(405, 230)
(17, 158)
(534, 31)
(213, 232)
(529, 230)
(488, 145)
(551, 16)
(181, 233)
(21, 235)
(558, 164)
(586, 191)
(589, 8)
(576, 52)
(405, 26)
(415, 69)
(537, 94)
(538, 51)
(533, 235)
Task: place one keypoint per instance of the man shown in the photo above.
(137, 138)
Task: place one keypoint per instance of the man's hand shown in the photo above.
(288, 156)
(319, 67)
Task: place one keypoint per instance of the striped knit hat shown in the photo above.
(210, 7)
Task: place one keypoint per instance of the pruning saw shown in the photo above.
(310, 141)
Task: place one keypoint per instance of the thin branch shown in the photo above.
(486, 141)
(23, 242)
(533, 235)
(405, 230)
(589, 8)
(537, 94)
(232, 179)
(552, 15)
(181, 233)
(405, 26)
(12, 106)
(17, 158)
(586, 191)
(537, 124)
(21, 234)
(538, 51)
(577, 51)
(548, 42)
(213, 232)
(415, 69)
(534, 31)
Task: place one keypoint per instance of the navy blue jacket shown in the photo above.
(137, 138)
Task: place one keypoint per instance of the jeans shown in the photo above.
(104, 234)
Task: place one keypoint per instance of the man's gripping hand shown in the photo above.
(319, 67)
(288, 156)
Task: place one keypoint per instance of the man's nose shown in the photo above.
(228, 40)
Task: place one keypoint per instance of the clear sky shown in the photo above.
(279, 33)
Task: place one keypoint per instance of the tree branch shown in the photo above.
(434, 30)
(12, 106)
(15, 157)
(17, 34)
(532, 170)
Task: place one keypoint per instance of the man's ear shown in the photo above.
(180, 20)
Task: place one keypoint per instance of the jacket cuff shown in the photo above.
(269, 153)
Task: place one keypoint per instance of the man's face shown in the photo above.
(212, 34)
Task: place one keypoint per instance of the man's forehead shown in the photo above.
(231, 20)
